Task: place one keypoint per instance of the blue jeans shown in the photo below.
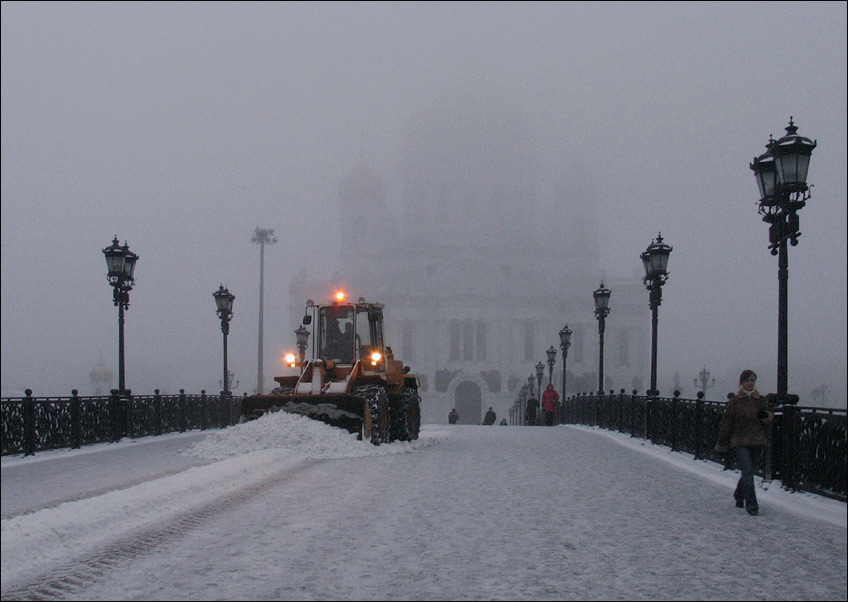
(747, 459)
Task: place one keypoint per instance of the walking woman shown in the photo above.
(549, 404)
(743, 428)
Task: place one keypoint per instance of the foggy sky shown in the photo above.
(181, 127)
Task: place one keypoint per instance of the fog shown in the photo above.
(181, 127)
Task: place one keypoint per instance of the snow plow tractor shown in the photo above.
(352, 380)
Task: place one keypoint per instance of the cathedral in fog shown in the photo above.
(474, 294)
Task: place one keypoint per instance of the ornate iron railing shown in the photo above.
(32, 424)
(806, 447)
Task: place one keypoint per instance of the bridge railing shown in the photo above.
(806, 447)
(31, 424)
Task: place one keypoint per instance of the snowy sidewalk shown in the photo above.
(465, 513)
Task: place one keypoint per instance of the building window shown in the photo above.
(468, 341)
(481, 341)
(454, 340)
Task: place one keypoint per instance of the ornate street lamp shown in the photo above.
(601, 296)
(564, 344)
(224, 302)
(522, 404)
(540, 372)
(262, 237)
(705, 380)
(551, 361)
(234, 382)
(120, 265)
(302, 341)
(781, 174)
(655, 262)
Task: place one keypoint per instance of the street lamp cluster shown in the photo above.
(781, 174)
(602, 297)
(224, 302)
(704, 379)
(262, 237)
(120, 265)
(655, 262)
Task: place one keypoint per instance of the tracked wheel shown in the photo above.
(399, 418)
(378, 407)
(412, 401)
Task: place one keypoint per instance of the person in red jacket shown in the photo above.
(743, 428)
(549, 404)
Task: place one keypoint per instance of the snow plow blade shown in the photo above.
(349, 412)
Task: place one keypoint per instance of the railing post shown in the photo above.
(631, 420)
(621, 411)
(157, 407)
(127, 405)
(115, 415)
(226, 408)
(674, 421)
(183, 412)
(76, 420)
(203, 411)
(791, 428)
(29, 424)
(648, 424)
(699, 425)
(595, 409)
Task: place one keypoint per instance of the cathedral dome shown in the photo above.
(100, 374)
(362, 184)
(468, 168)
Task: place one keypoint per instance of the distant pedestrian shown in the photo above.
(549, 404)
(453, 416)
(490, 416)
(743, 428)
(504, 422)
(531, 411)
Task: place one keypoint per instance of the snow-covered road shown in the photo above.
(291, 509)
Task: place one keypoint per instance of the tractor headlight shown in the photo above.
(291, 361)
(376, 357)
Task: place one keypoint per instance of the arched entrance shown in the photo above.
(468, 401)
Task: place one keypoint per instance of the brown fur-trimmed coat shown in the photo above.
(740, 426)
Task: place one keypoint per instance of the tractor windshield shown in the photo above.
(335, 341)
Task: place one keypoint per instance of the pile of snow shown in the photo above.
(307, 437)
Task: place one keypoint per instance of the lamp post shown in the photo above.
(302, 341)
(522, 404)
(655, 262)
(564, 344)
(224, 302)
(540, 372)
(601, 296)
(551, 361)
(781, 174)
(234, 382)
(704, 375)
(120, 265)
(261, 236)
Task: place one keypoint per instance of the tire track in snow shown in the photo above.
(75, 576)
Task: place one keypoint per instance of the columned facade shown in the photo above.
(474, 291)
